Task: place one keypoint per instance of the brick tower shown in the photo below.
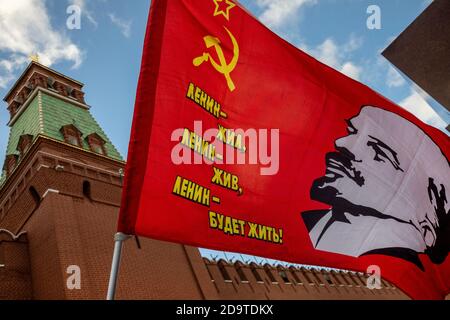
(60, 194)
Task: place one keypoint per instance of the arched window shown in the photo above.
(14, 107)
(71, 135)
(24, 93)
(61, 88)
(35, 195)
(97, 148)
(51, 83)
(87, 189)
(10, 163)
(78, 95)
(24, 144)
(96, 144)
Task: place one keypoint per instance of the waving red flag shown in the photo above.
(241, 142)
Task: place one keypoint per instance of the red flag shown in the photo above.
(241, 142)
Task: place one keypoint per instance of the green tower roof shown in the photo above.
(46, 114)
(57, 113)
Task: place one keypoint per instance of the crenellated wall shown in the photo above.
(241, 281)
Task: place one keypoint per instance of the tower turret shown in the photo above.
(44, 103)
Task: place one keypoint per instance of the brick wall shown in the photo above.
(15, 277)
(68, 201)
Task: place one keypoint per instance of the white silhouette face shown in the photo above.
(382, 168)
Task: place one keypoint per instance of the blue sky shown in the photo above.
(105, 53)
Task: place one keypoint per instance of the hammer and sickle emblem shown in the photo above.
(222, 66)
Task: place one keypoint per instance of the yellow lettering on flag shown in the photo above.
(192, 191)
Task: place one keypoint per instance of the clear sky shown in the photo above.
(105, 53)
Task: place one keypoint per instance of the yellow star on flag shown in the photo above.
(226, 12)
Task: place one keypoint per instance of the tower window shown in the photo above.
(51, 83)
(87, 189)
(24, 144)
(14, 107)
(71, 92)
(73, 139)
(71, 135)
(61, 88)
(10, 163)
(78, 95)
(35, 195)
(39, 80)
(24, 94)
(96, 144)
(97, 148)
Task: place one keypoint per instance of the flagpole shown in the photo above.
(119, 239)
